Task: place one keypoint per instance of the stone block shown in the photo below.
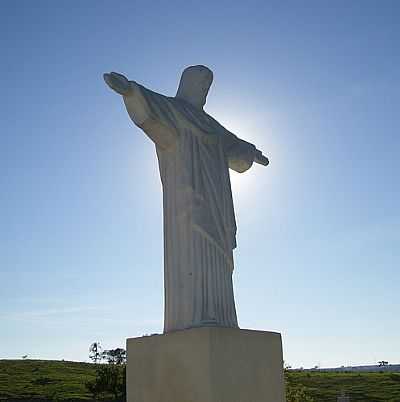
(208, 364)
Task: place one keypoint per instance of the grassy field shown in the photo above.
(362, 387)
(43, 379)
(61, 380)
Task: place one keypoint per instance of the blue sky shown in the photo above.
(315, 85)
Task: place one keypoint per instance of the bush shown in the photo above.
(296, 392)
(110, 380)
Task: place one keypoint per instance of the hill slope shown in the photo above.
(44, 379)
(361, 387)
(62, 380)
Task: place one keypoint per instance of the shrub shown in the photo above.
(296, 392)
(110, 380)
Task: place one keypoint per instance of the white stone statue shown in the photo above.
(194, 154)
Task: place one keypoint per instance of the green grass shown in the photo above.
(61, 380)
(362, 387)
(43, 379)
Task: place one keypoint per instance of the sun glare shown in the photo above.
(251, 129)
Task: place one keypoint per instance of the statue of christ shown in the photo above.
(194, 154)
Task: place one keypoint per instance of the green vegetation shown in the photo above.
(110, 381)
(361, 387)
(43, 379)
(59, 380)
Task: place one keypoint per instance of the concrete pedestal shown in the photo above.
(208, 364)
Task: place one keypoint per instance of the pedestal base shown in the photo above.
(208, 364)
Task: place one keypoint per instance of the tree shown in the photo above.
(95, 353)
(110, 380)
(115, 356)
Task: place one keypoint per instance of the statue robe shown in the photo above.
(194, 153)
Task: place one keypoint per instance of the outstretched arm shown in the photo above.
(136, 105)
(148, 110)
(241, 154)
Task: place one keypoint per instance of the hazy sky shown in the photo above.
(314, 84)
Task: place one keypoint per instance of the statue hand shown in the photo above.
(260, 158)
(118, 82)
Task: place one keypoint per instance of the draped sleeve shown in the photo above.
(154, 113)
(239, 153)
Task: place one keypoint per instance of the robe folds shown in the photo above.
(194, 153)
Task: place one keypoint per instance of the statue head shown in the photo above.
(194, 85)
